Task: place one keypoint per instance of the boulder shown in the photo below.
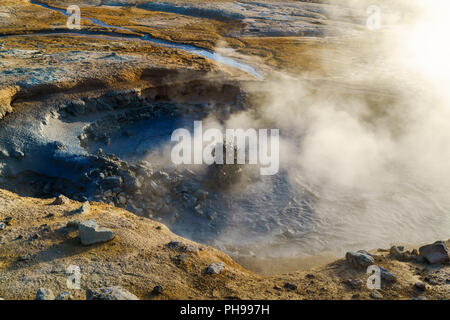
(91, 233)
(215, 268)
(359, 260)
(110, 293)
(435, 253)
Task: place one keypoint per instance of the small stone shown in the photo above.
(310, 276)
(61, 199)
(157, 290)
(24, 257)
(290, 286)
(64, 296)
(435, 253)
(215, 268)
(359, 260)
(90, 233)
(355, 283)
(356, 296)
(7, 221)
(2, 225)
(44, 294)
(419, 298)
(110, 293)
(420, 286)
(375, 294)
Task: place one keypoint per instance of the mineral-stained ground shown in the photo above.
(80, 109)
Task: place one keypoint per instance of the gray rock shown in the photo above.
(180, 246)
(420, 286)
(359, 260)
(61, 199)
(436, 252)
(91, 233)
(110, 293)
(2, 225)
(375, 294)
(44, 294)
(387, 276)
(111, 182)
(64, 296)
(215, 268)
(131, 184)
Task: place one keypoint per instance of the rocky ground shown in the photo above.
(48, 73)
(41, 238)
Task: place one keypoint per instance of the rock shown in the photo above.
(180, 246)
(157, 290)
(91, 233)
(44, 294)
(397, 253)
(359, 260)
(419, 298)
(110, 293)
(290, 286)
(111, 182)
(180, 259)
(84, 209)
(435, 253)
(354, 283)
(24, 257)
(420, 286)
(215, 268)
(2, 225)
(131, 184)
(61, 199)
(387, 276)
(7, 221)
(64, 296)
(375, 294)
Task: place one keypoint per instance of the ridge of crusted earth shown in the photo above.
(37, 247)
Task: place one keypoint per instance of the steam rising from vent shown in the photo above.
(370, 145)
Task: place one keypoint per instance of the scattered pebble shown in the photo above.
(44, 294)
(64, 296)
(157, 290)
(290, 286)
(375, 294)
